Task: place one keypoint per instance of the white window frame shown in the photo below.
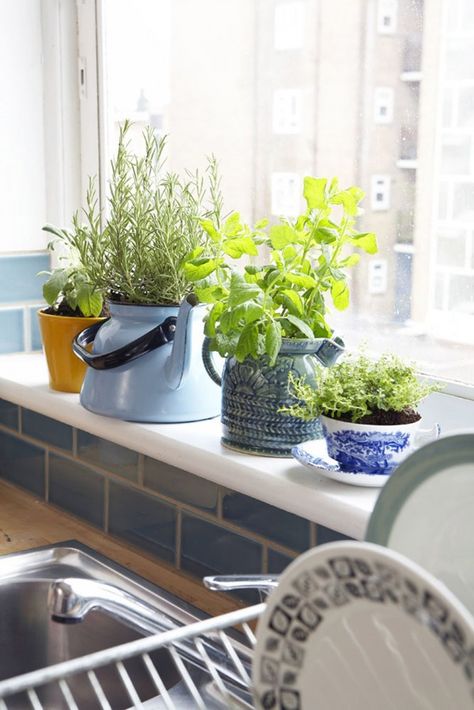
(289, 25)
(287, 111)
(93, 131)
(383, 98)
(285, 194)
(380, 184)
(387, 10)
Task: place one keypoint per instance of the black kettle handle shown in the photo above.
(159, 335)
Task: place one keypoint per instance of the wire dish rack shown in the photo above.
(211, 662)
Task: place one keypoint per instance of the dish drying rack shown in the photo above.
(221, 648)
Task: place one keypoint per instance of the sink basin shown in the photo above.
(31, 640)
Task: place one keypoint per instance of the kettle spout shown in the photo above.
(177, 364)
(329, 350)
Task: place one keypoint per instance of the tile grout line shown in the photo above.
(20, 420)
(313, 537)
(74, 442)
(220, 503)
(177, 552)
(106, 504)
(141, 470)
(46, 475)
(264, 559)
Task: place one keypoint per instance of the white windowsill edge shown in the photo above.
(196, 447)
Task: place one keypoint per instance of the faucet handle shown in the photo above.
(231, 582)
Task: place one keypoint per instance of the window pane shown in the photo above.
(281, 89)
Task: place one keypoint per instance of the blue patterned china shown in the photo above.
(370, 449)
(314, 455)
(253, 392)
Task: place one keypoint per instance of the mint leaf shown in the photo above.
(208, 227)
(240, 246)
(247, 343)
(241, 291)
(340, 295)
(301, 325)
(292, 301)
(281, 235)
(303, 280)
(89, 301)
(272, 340)
(200, 268)
(314, 192)
(367, 242)
(232, 225)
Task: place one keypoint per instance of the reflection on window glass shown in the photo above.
(281, 89)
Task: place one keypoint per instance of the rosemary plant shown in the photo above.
(153, 224)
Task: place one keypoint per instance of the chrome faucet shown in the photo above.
(263, 583)
(71, 599)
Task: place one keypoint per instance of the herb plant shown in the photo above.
(254, 307)
(152, 222)
(358, 387)
(68, 292)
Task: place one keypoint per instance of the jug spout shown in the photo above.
(178, 362)
(329, 350)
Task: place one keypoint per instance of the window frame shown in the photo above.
(93, 129)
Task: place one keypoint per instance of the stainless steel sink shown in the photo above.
(31, 640)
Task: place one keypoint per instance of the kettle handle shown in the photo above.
(159, 335)
(208, 362)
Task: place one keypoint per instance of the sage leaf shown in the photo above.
(301, 325)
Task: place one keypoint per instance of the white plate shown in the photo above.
(314, 455)
(354, 626)
(426, 512)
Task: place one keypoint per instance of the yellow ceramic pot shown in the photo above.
(66, 371)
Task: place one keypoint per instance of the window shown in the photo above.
(383, 105)
(286, 191)
(380, 192)
(287, 111)
(289, 25)
(387, 16)
(294, 97)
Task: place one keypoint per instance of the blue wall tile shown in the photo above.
(11, 330)
(277, 561)
(209, 549)
(327, 535)
(18, 277)
(77, 489)
(8, 414)
(271, 522)
(142, 520)
(36, 342)
(180, 485)
(110, 456)
(22, 463)
(46, 429)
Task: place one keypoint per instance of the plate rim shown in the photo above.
(384, 554)
(425, 462)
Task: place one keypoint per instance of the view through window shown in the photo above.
(377, 92)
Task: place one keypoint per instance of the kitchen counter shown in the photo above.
(196, 447)
(26, 522)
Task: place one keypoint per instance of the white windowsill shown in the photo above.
(196, 447)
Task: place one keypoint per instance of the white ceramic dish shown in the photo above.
(314, 455)
(354, 626)
(426, 512)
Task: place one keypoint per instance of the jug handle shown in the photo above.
(208, 362)
(159, 335)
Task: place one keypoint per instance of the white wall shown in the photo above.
(22, 163)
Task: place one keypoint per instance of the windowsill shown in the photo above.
(196, 447)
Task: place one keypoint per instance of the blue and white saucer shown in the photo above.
(313, 454)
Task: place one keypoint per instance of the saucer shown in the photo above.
(313, 454)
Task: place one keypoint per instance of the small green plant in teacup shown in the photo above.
(367, 408)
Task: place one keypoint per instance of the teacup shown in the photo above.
(370, 449)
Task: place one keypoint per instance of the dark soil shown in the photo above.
(64, 310)
(380, 417)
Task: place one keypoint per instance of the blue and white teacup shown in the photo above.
(370, 449)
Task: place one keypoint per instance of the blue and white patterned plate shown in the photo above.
(314, 455)
(355, 625)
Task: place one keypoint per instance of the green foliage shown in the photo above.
(153, 222)
(255, 307)
(70, 287)
(358, 386)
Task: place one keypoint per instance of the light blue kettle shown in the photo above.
(146, 364)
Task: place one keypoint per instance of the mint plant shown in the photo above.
(357, 387)
(254, 307)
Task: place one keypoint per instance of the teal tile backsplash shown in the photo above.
(12, 339)
(19, 280)
(162, 510)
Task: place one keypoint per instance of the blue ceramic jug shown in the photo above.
(253, 392)
(146, 364)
